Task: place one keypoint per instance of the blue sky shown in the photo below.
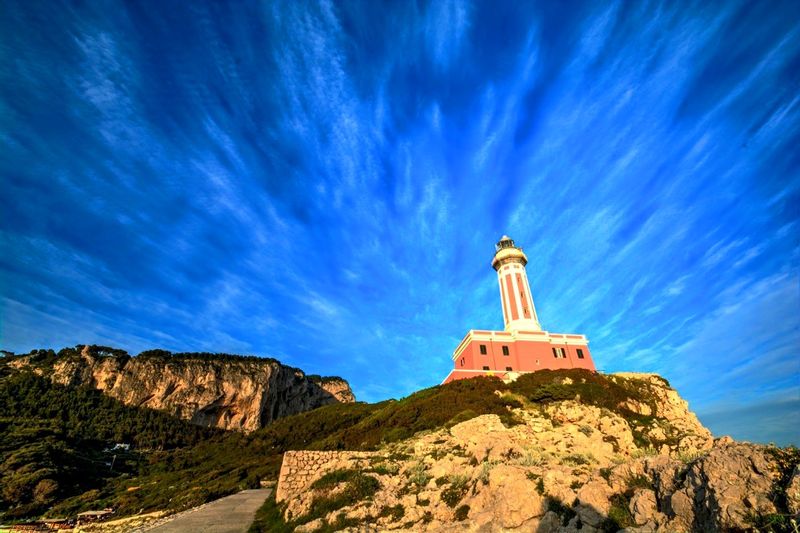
(324, 183)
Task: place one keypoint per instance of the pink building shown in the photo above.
(523, 346)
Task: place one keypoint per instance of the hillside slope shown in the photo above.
(547, 451)
(59, 442)
(562, 451)
(212, 390)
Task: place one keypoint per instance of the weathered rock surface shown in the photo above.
(566, 467)
(337, 387)
(232, 393)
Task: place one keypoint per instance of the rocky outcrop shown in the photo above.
(565, 466)
(337, 387)
(229, 393)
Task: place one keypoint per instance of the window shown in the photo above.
(555, 353)
(508, 368)
(462, 361)
(563, 353)
(483, 349)
(505, 350)
(580, 353)
(486, 368)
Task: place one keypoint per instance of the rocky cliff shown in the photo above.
(565, 461)
(228, 392)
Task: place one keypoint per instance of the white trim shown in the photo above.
(502, 302)
(517, 335)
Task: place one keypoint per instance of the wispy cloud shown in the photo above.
(323, 182)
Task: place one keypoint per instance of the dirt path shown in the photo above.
(232, 514)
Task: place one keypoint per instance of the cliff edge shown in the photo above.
(223, 391)
(575, 452)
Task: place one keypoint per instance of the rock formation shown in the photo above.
(242, 393)
(566, 466)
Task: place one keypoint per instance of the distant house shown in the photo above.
(94, 516)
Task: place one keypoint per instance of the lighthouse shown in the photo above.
(523, 346)
(515, 292)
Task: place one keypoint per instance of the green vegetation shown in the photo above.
(456, 491)
(331, 479)
(57, 442)
(357, 487)
(462, 513)
(396, 512)
(787, 459)
(269, 519)
(418, 476)
(55, 454)
(619, 515)
(578, 459)
(333, 491)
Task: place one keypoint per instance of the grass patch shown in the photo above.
(269, 519)
(578, 459)
(395, 512)
(456, 491)
(358, 487)
(331, 479)
(418, 475)
(786, 460)
(619, 516)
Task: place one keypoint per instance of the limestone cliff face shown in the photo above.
(338, 387)
(233, 393)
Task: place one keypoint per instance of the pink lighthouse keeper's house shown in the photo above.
(523, 346)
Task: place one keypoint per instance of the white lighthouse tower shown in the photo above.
(523, 346)
(519, 313)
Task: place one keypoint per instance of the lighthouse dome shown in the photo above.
(504, 242)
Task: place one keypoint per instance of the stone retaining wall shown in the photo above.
(301, 468)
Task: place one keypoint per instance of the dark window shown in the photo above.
(555, 353)
(563, 353)
(483, 349)
(462, 361)
(508, 368)
(486, 368)
(580, 353)
(505, 350)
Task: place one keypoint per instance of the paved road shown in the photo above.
(232, 514)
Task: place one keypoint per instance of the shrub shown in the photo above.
(688, 457)
(418, 476)
(644, 452)
(619, 516)
(462, 513)
(639, 481)
(457, 490)
(486, 467)
(396, 512)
